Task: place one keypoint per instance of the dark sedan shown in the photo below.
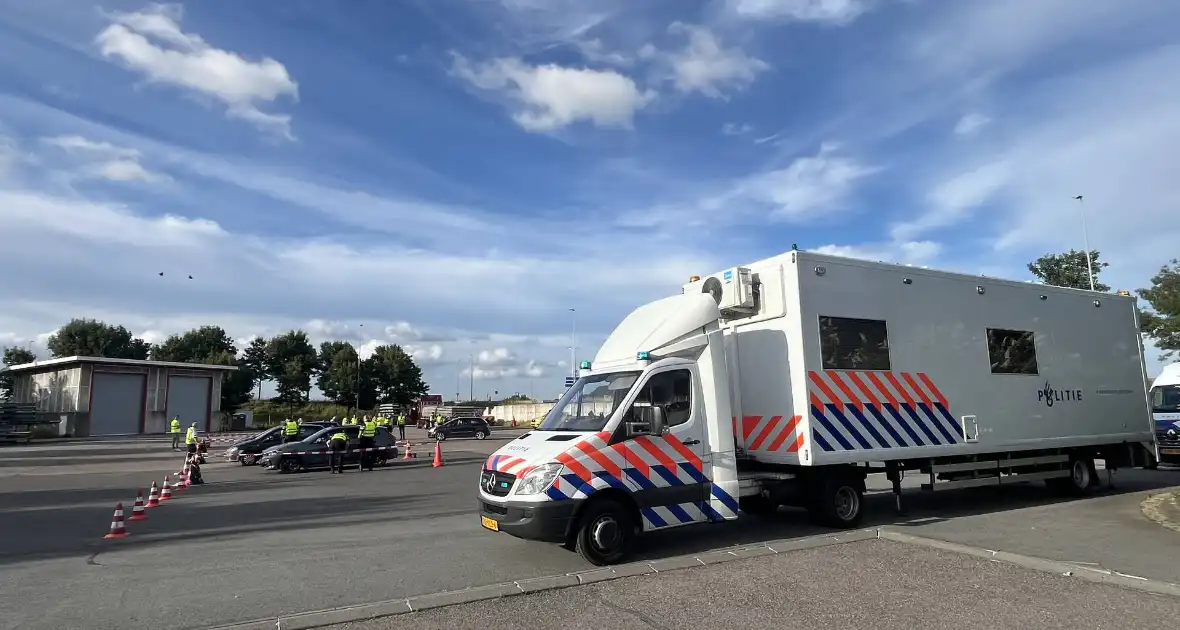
(248, 451)
(477, 428)
(312, 452)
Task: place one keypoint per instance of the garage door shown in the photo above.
(116, 403)
(188, 399)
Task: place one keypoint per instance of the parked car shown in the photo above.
(312, 451)
(477, 428)
(249, 450)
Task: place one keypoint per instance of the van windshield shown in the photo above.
(1165, 398)
(589, 404)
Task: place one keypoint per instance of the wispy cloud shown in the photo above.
(969, 124)
(704, 64)
(828, 11)
(104, 160)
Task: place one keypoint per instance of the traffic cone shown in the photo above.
(185, 480)
(409, 452)
(118, 529)
(165, 492)
(153, 496)
(438, 461)
(137, 511)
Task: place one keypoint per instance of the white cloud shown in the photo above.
(549, 97)
(808, 186)
(152, 43)
(970, 123)
(704, 65)
(830, 11)
(955, 199)
(496, 357)
(103, 160)
(907, 252)
(735, 129)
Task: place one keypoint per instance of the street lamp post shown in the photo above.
(573, 343)
(471, 383)
(1086, 240)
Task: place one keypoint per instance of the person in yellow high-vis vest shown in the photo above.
(401, 426)
(290, 431)
(190, 438)
(367, 442)
(174, 429)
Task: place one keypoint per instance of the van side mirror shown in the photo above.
(649, 420)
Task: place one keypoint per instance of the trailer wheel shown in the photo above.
(605, 533)
(1082, 477)
(838, 502)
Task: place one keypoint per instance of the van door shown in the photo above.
(664, 473)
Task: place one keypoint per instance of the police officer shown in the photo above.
(290, 431)
(368, 441)
(175, 430)
(401, 426)
(339, 444)
(190, 439)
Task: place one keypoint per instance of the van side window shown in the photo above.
(853, 344)
(671, 390)
(1011, 351)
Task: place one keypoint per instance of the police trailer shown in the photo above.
(787, 381)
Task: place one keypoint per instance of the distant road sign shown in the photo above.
(569, 381)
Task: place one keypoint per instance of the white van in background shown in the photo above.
(1165, 410)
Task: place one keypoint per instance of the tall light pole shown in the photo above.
(1086, 240)
(471, 385)
(573, 342)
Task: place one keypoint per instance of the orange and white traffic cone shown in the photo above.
(184, 480)
(118, 529)
(153, 496)
(137, 511)
(409, 452)
(165, 492)
(438, 460)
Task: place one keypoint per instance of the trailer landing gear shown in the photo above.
(893, 473)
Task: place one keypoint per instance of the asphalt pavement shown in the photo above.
(869, 585)
(252, 544)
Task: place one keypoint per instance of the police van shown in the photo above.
(788, 381)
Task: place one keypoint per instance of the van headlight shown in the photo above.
(539, 479)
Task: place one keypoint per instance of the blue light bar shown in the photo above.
(643, 356)
(585, 365)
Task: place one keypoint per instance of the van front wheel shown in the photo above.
(605, 533)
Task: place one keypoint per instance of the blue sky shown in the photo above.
(454, 175)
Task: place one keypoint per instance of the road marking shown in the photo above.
(1155, 506)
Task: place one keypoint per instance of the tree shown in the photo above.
(396, 377)
(290, 361)
(327, 361)
(1068, 270)
(1162, 324)
(198, 345)
(13, 356)
(338, 377)
(254, 359)
(92, 338)
(516, 398)
(237, 386)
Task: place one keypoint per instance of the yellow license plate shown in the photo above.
(489, 523)
(1170, 451)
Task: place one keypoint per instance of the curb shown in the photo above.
(363, 612)
(1163, 508)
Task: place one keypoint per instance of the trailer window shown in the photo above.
(1011, 351)
(853, 344)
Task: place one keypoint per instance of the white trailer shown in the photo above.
(789, 380)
